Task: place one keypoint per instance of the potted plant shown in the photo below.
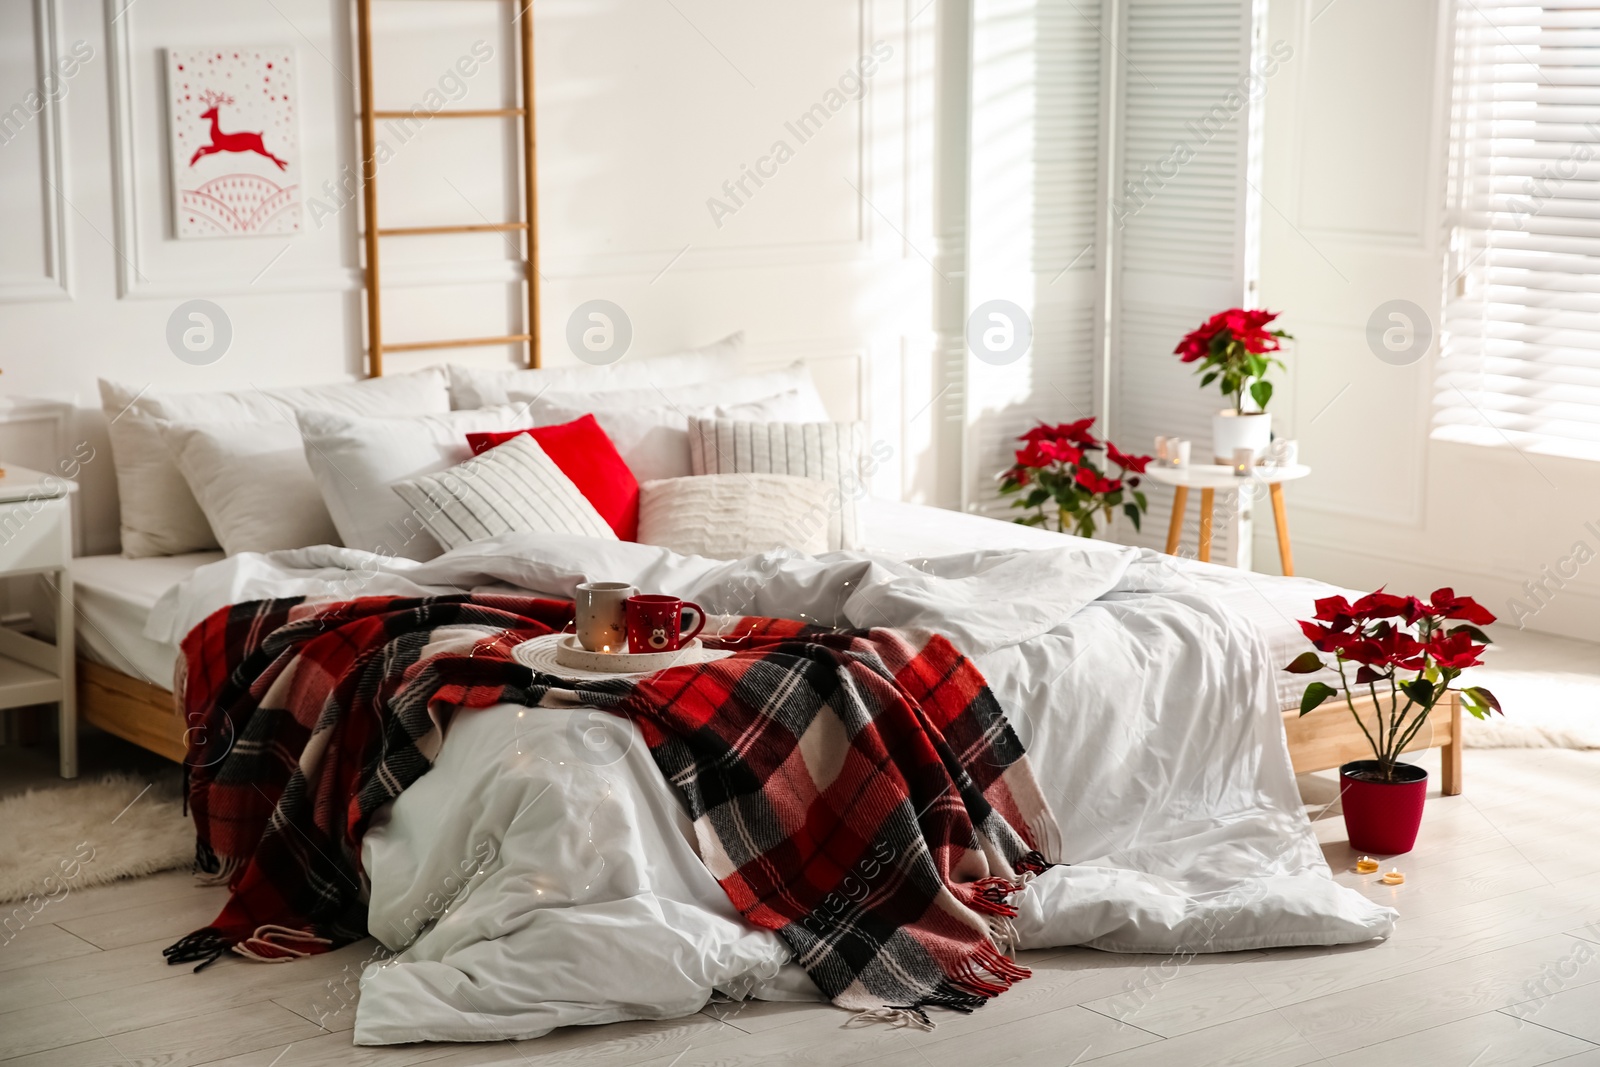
(1406, 653)
(1055, 479)
(1232, 348)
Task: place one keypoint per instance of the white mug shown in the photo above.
(600, 615)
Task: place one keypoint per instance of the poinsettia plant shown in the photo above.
(1232, 346)
(1399, 648)
(1055, 478)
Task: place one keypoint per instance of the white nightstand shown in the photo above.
(1208, 479)
(36, 539)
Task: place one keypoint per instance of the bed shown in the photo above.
(1147, 689)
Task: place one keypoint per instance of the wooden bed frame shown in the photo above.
(145, 714)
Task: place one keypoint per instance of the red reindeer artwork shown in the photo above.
(240, 141)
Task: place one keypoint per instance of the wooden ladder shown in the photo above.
(528, 226)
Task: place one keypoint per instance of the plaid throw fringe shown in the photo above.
(858, 792)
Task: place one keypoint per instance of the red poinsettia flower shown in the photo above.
(1032, 457)
(1077, 432)
(1249, 329)
(1455, 652)
(1335, 610)
(1387, 647)
(1137, 464)
(1446, 604)
(1323, 638)
(1093, 481)
(1381, 605)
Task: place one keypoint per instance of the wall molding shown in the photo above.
(56, 284)
(133, 279)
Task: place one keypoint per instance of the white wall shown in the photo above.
(644, 111)
(1353, 217)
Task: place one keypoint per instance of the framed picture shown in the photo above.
(233, 115)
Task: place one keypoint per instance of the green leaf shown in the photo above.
(1261, 392)
(1133, 514)
(1229, 384)
(1478, 695)
(1035, 498)
(1208, 379)
(1471, 631)
(1421, 690)
(1306, 663)
(1139, 496)
(1316, 694)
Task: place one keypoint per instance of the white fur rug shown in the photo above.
(87, 833)
(1549, 687)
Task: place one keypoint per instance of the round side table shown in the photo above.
(1208, 478)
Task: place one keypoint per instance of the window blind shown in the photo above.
(1521, 355)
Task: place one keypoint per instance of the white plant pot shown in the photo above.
(1230, 431)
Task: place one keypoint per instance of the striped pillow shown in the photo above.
(830, 452)
(512, 488)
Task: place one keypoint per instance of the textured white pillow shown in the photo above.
(160, 516)
(654, 441)
(481, 387)
(830, 452)
(731, 516)
(252, 483)
(512, 488)
(357, 458)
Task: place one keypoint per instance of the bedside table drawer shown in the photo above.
(35, 534)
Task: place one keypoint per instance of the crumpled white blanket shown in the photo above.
(551, 872)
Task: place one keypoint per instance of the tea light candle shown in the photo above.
(1394, 877)
(1161, 450)
(1244, 461)
(1366, 865)
(1179, 451)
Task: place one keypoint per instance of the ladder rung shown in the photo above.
(474, 227)
(475, 113)
(465, 342)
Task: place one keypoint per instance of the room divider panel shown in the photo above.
(528, 225)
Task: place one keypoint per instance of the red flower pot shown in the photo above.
(1380, 816)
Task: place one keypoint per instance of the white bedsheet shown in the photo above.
(1147, 706)
(114, 598)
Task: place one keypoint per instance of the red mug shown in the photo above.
(655, 623)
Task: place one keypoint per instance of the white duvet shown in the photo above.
(551, 872)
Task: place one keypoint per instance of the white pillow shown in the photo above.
(481, 387)
(160, 516)
(654, 441)
(252, 483)
(830, 452)
(731, 516)
(356, 459)
(732, 389)
(512, 488)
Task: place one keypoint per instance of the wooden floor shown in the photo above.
(1497, 962)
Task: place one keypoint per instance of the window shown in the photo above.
(1521, 356)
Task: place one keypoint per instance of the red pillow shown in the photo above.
(586, 455)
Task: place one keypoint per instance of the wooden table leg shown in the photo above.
(1280, 519)
(1207, 498)
(1450, 751)
(1180, 501)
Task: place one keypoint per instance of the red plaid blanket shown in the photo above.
(858, 792)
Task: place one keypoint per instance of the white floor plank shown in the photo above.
(1492, 1040)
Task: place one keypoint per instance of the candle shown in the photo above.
(1179, 451)
(1244, 461)
(1162, 457)
(1366, 865)
(1394, 877)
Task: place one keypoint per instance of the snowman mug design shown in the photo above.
(655, 623)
